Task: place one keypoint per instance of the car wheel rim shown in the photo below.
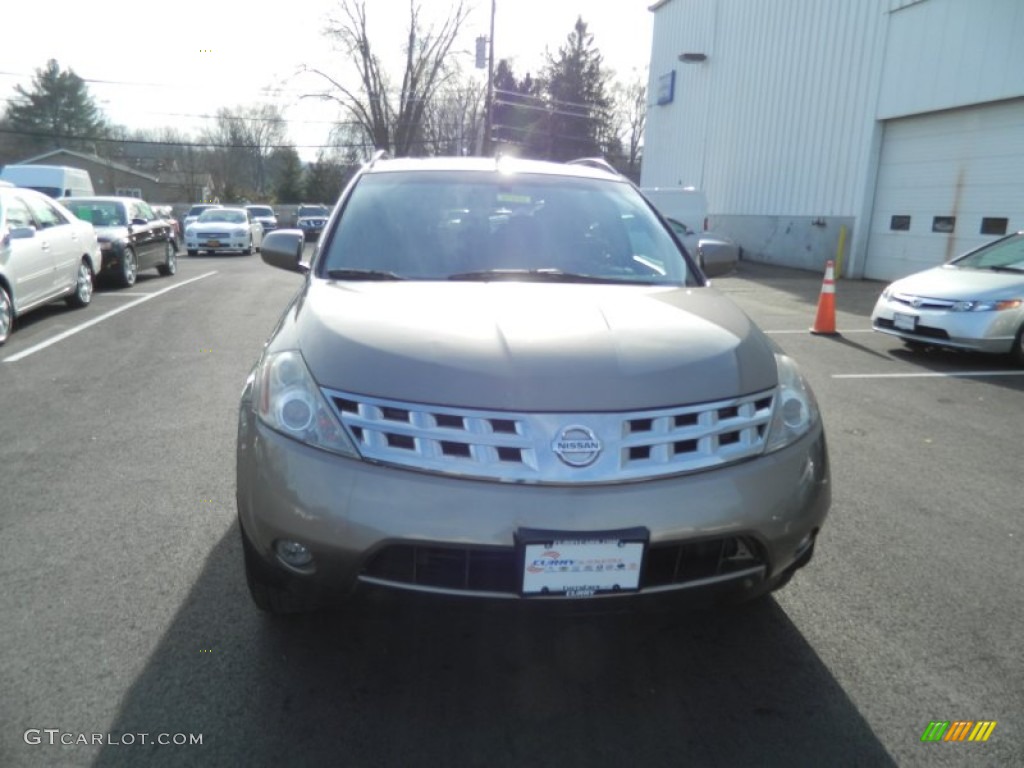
(6, 313)
(129, 268)
(84, 284)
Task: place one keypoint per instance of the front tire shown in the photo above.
(170, 265)
(129, 268)
(1017, 353)
(6, 315)
(83, 287)
(272, 595)
(248, 251)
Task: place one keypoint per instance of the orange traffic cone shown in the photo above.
(825, 322)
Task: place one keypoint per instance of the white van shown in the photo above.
(686, 209)
(687, 205)
(57, 181)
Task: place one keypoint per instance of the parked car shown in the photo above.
(505, 379)
(46, 253)
(975, 302)
(311, 220)
(131, 235)
(193, 213)
(166, 212)
(265, 215)
(223, 229)
(716, 254)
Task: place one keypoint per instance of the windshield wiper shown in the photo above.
(1005, 269)
(362, 274)
(552, 275)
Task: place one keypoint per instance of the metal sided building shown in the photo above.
(888, 131)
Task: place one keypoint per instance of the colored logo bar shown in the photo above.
(958, 730)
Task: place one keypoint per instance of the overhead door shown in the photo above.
(947, 182)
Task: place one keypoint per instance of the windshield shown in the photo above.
(312, 210)
(1006, 253)
(472, 225)
(259, 210)
(195, 210)
(99, 214)
(223, 214)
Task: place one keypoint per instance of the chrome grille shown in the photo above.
(922, 302)
(519, 447)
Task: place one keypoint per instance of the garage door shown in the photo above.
(947, 182)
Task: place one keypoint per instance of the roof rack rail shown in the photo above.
(594, 162)
(380, 154)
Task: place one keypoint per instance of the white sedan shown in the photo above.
(975, 302)
(224, 229)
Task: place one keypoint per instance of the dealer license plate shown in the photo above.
(902, 322)
(582, 565)
(213, 243)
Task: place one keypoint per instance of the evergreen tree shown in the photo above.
(519, 110)
(286, 170)
(57, 112)
(579, 120)
(324, 180)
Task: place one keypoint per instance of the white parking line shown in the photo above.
(89, 323)
(932, 375)
(119, 294)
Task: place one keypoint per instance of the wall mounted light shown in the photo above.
(693, 57)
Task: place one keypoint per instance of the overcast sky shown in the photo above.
(172, 63)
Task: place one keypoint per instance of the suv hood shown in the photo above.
(528, 346)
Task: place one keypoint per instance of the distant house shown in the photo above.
(112, 178)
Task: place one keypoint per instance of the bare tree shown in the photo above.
(453, 122)
(391, 118)
(631, 118)
(244, 138)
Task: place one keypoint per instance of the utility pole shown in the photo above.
(487, 143)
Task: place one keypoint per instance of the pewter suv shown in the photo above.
(508, 380)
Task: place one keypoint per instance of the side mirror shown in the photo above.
(282, 248)
(139, 222)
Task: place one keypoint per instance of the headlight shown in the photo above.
(796, 410)
(887, 293)
(288, 401)
(986, 306)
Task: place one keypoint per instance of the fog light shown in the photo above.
(293, 553)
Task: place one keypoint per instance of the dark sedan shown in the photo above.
(132, 236)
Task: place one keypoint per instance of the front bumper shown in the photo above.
(991, 332)
(310, 230)
(368, 524)
(233, 243)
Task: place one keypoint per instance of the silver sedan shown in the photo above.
(975, 302)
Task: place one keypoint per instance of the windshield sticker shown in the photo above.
(508, 197)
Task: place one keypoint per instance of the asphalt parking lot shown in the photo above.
(126, 613)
